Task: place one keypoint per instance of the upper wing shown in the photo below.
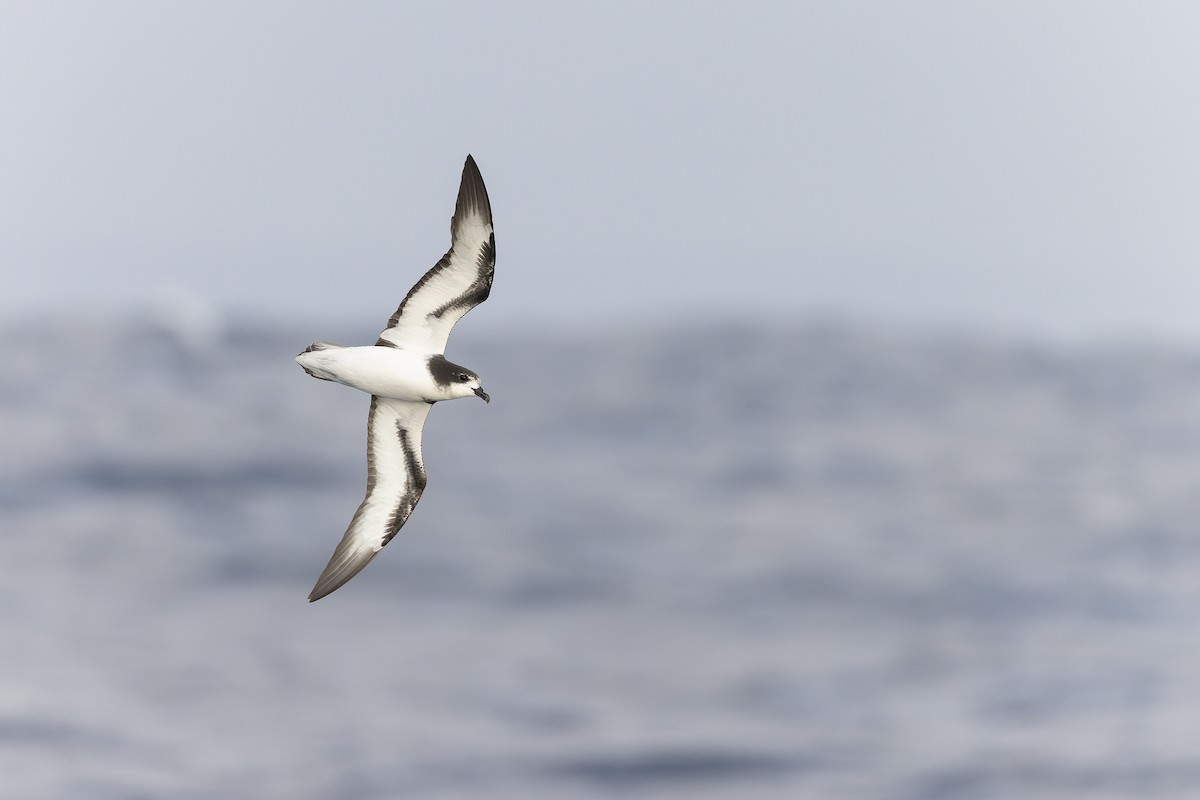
(457, 283)
(395, 480)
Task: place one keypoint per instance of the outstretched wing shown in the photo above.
(395, 480)
(457, 283)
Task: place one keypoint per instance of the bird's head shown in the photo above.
(456, 381)
(467, 383)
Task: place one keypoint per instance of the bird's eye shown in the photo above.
(463, 377)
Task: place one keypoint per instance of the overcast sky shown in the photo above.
(1028, 167)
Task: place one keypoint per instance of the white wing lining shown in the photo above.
(461, 280)
(395, 481)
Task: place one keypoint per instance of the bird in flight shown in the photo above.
(406, 372)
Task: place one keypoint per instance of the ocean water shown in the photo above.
(719, 561)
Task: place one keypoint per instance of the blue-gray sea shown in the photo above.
(810, 560)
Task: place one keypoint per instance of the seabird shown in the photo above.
(406, 372)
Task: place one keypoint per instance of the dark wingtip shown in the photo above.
(346, 562)
(472, 194)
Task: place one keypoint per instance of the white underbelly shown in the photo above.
(383, 371)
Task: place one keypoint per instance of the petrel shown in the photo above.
(406, 372)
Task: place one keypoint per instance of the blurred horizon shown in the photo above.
(184, 319)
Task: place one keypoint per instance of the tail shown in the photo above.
(313, 348)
